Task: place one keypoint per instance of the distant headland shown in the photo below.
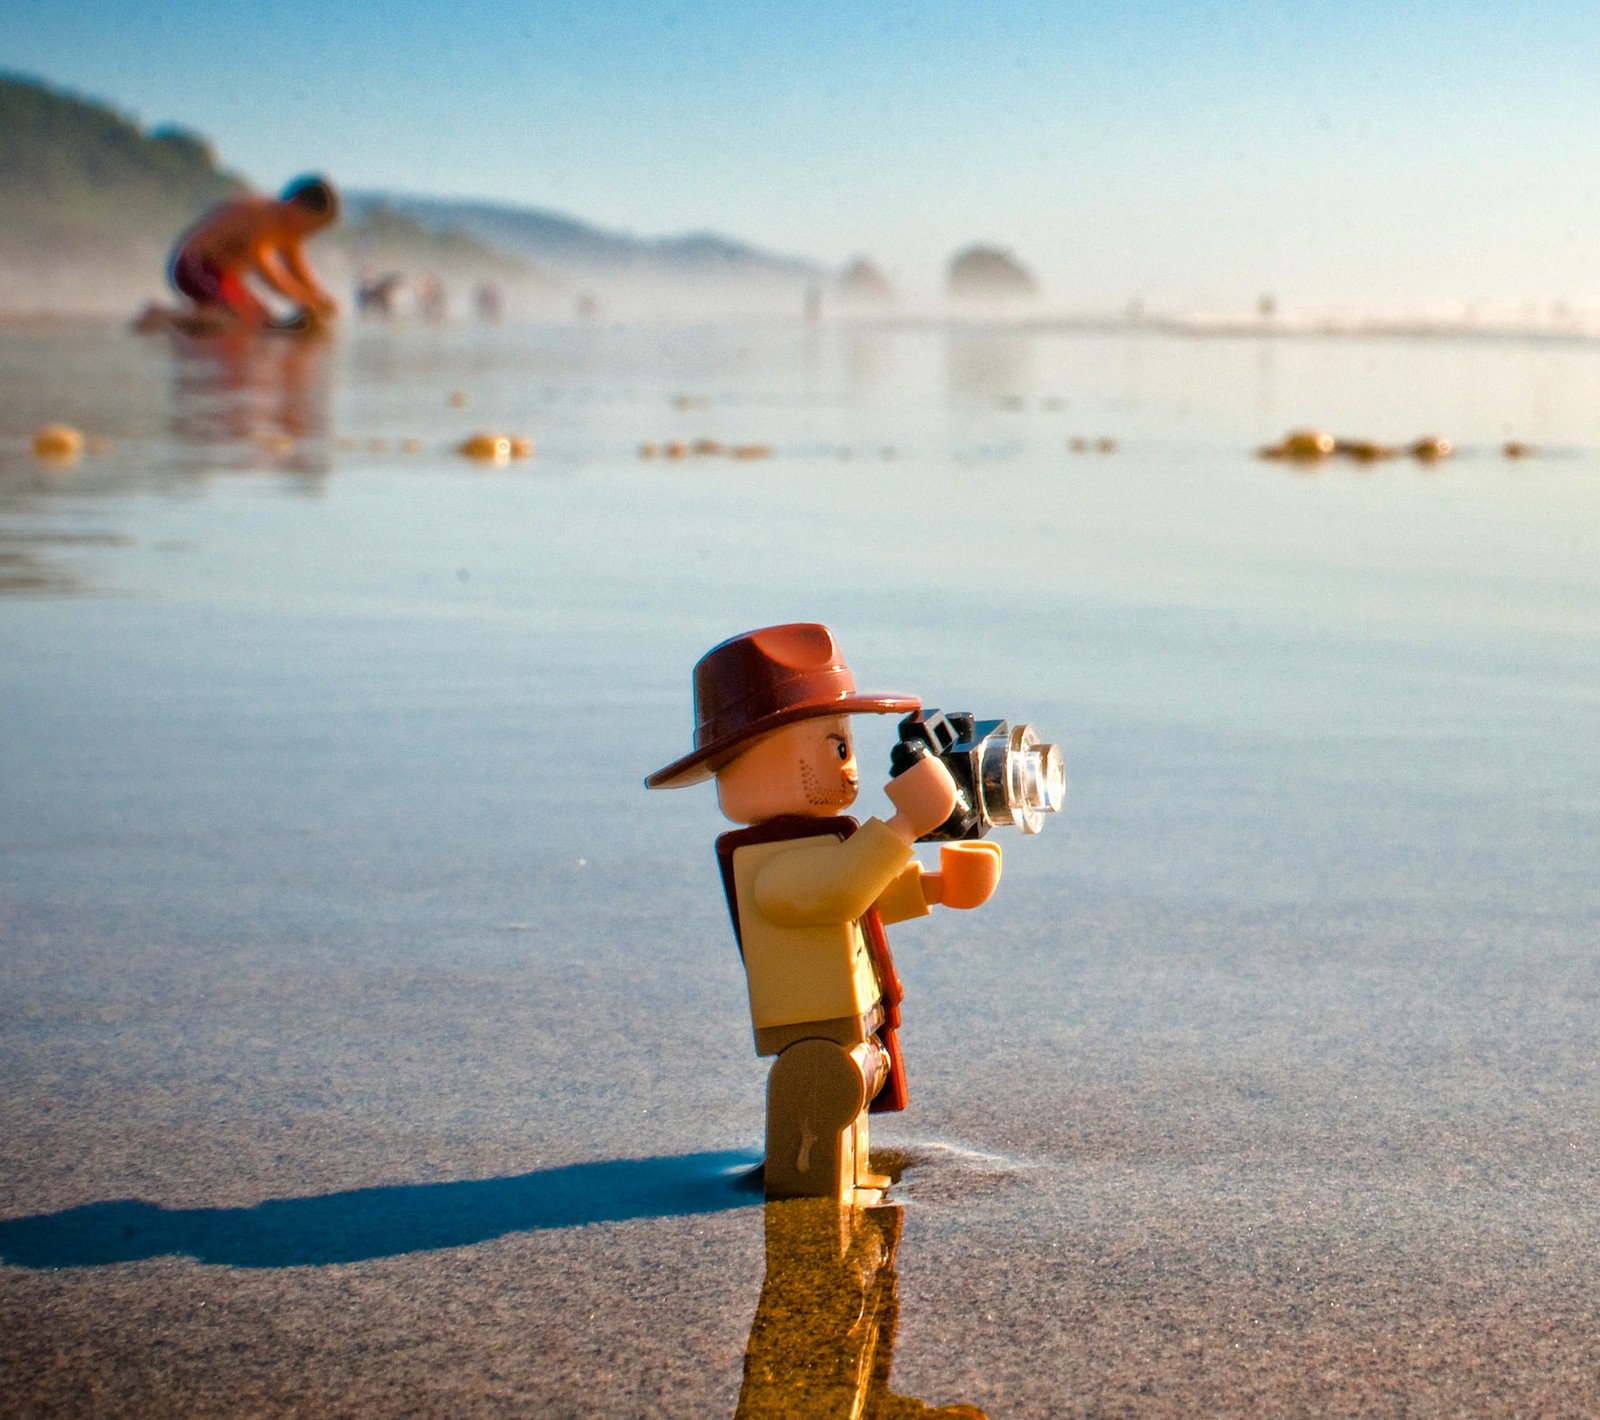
(91, 201)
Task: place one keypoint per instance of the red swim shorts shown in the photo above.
(205, 283)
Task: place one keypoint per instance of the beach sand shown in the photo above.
(373, 1043)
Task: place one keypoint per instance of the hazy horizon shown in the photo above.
(1418, 158)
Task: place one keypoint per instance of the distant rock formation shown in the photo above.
(983, 273)
(862, 284)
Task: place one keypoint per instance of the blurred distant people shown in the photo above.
(375, 294)
(262, 237)
(431, 299)
(491, 304)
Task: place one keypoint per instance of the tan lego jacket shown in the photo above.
(800, 907)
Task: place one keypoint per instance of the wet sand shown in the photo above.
(1353, 1194)
(374, 1044)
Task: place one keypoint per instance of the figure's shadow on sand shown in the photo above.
(380, 1222)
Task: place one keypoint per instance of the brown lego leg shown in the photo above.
(869, 1186)
(874, 1066)
(815, 1094)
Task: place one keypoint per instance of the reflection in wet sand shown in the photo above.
(23, 570)
(986, 364)
(270, 394)
(235, 404)
(868, 357)
(822, 1342)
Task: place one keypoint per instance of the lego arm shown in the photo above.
(828, 880)
(967, 876)
(923, 798)
(968, 871)
(823, 880)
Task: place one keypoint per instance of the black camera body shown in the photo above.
(1002, 775)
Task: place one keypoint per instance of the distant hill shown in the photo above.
(586, 253)
(90, 203)
(79, 180)
(378, 239)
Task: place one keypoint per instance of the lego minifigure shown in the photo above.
(809, 891)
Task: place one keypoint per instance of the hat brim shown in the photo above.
(707, 760)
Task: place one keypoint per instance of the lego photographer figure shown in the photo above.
(809, 891)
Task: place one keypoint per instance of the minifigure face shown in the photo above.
(827, 763)
(808, 768)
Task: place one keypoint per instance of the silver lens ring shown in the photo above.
(1036, 779)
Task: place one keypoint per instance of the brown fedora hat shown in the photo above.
(761, 681)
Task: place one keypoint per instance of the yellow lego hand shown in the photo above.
(969, 872)
(925, 796)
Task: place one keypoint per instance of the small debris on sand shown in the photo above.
(1302, 446)
(715, 448)
(1314, 445)
(57, 441)
(1365, 450)
(496, 448)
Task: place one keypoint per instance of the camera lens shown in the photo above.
(1022, 779)
(1040, 778)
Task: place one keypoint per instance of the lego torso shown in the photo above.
(800, 904)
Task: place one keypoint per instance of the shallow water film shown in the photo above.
(373, 1042)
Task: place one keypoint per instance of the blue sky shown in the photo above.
(1193, 155)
